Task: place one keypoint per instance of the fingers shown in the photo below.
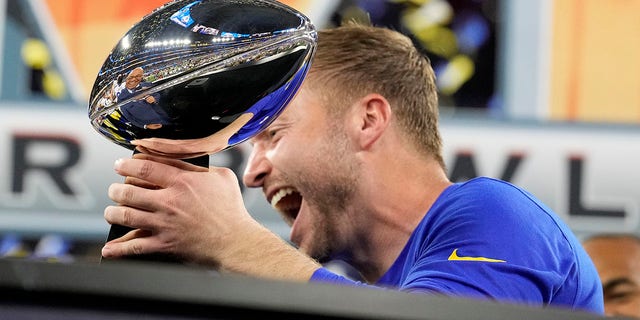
(130, 217)
(134, 244)
(140, 183)
(172, 161)
(153, 173)
(159, 172)
(135, 233)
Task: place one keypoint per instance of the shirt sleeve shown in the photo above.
(325, 276)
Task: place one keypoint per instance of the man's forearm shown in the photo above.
(254, 256)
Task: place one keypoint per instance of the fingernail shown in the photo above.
(116, 164)
(134, 142)
(106, 251)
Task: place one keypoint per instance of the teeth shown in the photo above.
(279, 195)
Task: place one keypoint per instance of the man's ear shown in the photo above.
(375, 115)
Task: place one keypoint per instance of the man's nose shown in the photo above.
(258, 167)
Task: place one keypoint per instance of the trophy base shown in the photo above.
(118, 231)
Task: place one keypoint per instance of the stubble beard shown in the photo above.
(332, 183)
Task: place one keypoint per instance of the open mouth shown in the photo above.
(287, 201)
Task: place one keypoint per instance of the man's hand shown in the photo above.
(198, 215)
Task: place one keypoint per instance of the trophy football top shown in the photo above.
(202, 76)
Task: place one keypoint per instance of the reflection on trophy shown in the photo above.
(197, 77)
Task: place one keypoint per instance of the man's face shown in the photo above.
(618, 263)
(305, 167)
(133, 79)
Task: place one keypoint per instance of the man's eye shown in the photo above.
(273, 134)
(620, 296)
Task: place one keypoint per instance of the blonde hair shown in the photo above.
(354, 60)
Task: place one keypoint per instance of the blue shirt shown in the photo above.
(488, 239)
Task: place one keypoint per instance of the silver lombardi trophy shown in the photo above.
(200, 77)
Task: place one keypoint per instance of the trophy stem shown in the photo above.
(118, 231)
